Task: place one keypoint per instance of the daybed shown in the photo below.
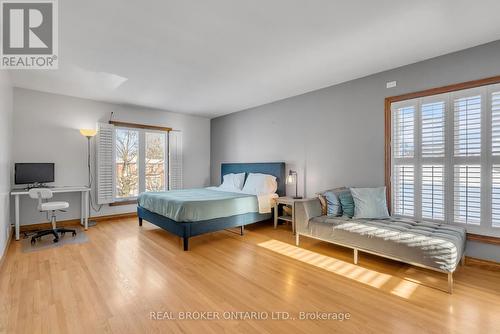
(435, 246)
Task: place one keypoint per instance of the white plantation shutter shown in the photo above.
(175, 160)
(433, 129)
(404, 129)
(433, 192)
(495, 123)
(467, 126)
(404, 190)
(446, 158)
(403, 177)
(495, 196)
(105, 158)
(467, 194)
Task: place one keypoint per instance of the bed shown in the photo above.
(191, 212)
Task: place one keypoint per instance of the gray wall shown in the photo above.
(46, 130)
(335, 136)
(5, 156)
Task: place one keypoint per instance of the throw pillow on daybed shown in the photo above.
(370, 203)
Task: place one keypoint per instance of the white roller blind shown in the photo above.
(175, 160)
(105, 157)
(433, 192)
(467, 194)
(467, 126)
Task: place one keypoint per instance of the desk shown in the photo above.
(85, 191)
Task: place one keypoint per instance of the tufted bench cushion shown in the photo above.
(439, 246)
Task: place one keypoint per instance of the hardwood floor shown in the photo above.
(112, 284)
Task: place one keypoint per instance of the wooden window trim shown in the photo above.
(483, 238)
(140, 126)
(127, 202)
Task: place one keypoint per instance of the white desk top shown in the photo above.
(55, 189)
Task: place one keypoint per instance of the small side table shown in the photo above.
(288, 201)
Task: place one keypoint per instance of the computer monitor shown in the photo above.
(33, 173)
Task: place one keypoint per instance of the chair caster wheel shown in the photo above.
(33, 241)
(56, 240)
(74, 234)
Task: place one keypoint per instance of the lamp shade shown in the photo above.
(290, 179)
(88, 132)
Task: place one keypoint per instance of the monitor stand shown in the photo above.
(37, 185)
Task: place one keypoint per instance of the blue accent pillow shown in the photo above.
(333, 207)
(347, 203)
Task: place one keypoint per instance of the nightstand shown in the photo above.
(290, 202)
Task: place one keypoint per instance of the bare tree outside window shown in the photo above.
(155, 161)
(127, 171)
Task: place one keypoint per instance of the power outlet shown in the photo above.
(391, 84)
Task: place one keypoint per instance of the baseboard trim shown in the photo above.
(76, 222)
(488, 264)
(7, 244)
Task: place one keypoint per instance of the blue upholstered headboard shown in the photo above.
(273, 168)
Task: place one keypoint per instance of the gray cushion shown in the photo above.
(370, 203)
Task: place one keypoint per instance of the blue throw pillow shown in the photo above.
(333, 202)
(347, 203)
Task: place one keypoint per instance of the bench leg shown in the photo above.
(450, 283)
(140, 221)
(242, 230)
(355, 256)
(185, 242)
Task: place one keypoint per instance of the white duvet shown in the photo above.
(265, 201)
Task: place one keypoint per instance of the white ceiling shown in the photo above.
(213, 57)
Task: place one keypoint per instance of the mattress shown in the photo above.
(191, 205)
(435, 245)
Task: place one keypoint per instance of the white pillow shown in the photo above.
(260, 184)
(233, 181)
(370, 202)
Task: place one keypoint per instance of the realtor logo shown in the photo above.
(29, 34)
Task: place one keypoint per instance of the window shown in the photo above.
(140, 162)
(445, 162)
(127, 163)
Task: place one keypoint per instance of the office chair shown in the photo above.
(43, 206)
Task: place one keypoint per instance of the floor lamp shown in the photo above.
(89, 133)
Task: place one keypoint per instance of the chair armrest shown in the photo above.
(305, 211)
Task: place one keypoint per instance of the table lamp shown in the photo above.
(292, 179)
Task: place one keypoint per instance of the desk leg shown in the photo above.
(87, 210)
(82, 207)
(17, 227)
(275, 215)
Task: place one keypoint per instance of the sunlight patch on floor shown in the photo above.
(362, 275)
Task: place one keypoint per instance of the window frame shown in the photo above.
(486, 227)
(142, 130)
